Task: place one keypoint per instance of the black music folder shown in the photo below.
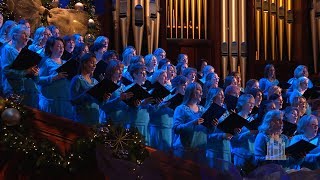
(254, 124)
(289, 129)
(299, 147)
(232, 122)
(103, 87)
(159, 91)
(139, 93)
(213, 112)
(231, 102)
(312, 93)
(284, 85)
(26, 59)
(125, 81)
(71, 67)
(175, 101)
(100, 70)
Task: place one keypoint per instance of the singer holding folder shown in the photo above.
(271, 127)
(243, 143)
(139, 112)
(218, 141)
(86, 108)
(115, 108)
(191, 135)
(160, 125)
(308, 131)
(21, 82)
(54, 97)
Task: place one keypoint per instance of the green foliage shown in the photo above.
(40, 154)
(4, 10)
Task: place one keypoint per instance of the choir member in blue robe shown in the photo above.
(269, 79)
(308, 131)
(55, 87)
(86, 108)
(218, 142)
(115, 109)
(191, 140)
(271, 127)
(161, 120)
(20, 82)
(139, 114)
(243, 143)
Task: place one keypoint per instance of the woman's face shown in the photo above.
(191, 77)
(140, 76)
(311, 129)
(276, 125)
(90, 65)
(46, 34)
(184, 59)
(292, 116)
(84, 51)
(56, 32)
(255, 85)
(162, 79)
(22, 37)
(57, 49)
(153, 62)
(79, 40)
(171, 73)
(248, 106)
(70, 46)
(117, 75)
(197, 94)
(215, 81)
(234, 81)
(258, 99)
(302, 106)
(272, 72)
(182, 88)
(219, 99)
(238, 80)
(278, 102)
(183, 67)
(304, 85)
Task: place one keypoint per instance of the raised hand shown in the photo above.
(227, 136)
(199, 121)
(125, 96)
(60, 75)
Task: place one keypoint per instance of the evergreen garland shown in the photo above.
(40, 154)
(4, 10)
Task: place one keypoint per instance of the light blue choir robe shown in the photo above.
(116, 109)
(191, 139)
(312, 159)
(139, 118)
(260, 152)
(160, 128)
(55, 95)
(16, 81)
(218, 146)
(243, 147)
(293, 81)
(86, 108)
(265, 84)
